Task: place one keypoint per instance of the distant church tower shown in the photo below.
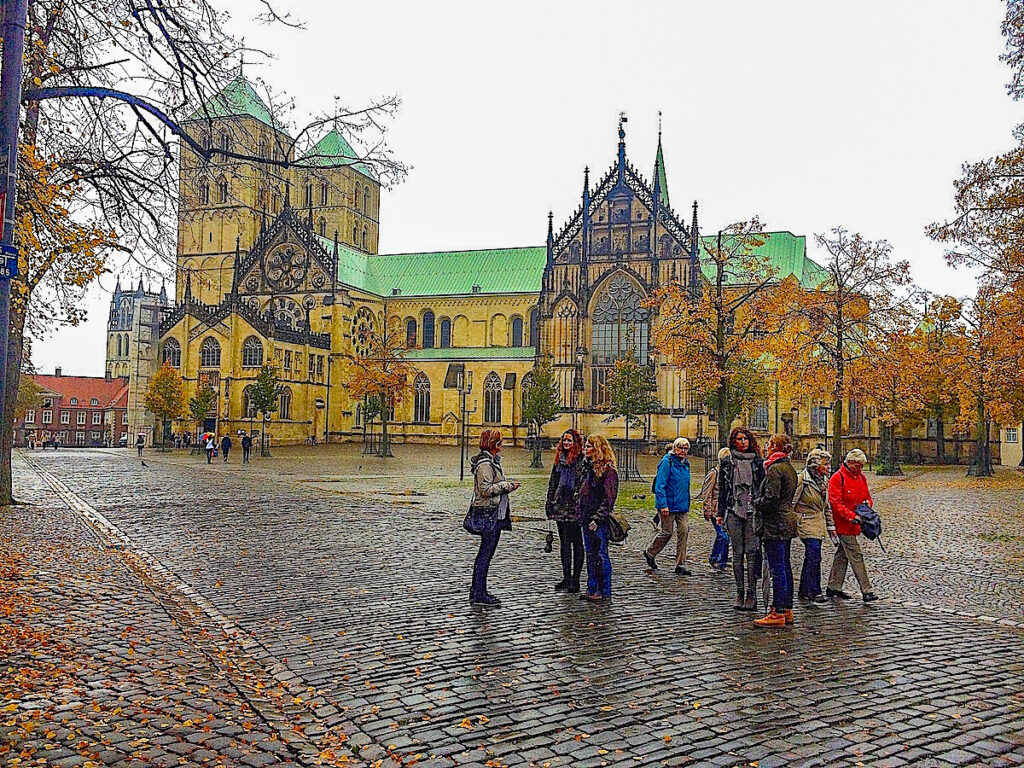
(133, 332)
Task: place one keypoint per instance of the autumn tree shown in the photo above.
(165, 396)
(264, 396)
(541, 403)
(862, 293)
(30, 395)
(98, 176)
(381, 371)
(713, 334)
(632, 395)
(889, 376)
(200, 406)
(938, 344)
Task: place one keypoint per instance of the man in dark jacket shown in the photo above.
(246, 447)
(225, 446)
(672, 499)
(775, 526)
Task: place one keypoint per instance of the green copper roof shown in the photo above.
(659, 170)
(237, 99)
(331, 151)
(454, 273)
(472, 353)
(786, 252)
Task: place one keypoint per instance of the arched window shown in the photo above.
(172, 353)
(366, 199)
(356, 198)
(126, 345)
(209, 353)
(323, 193)
(534, 327)
(364, 239)
(284, 406)
(428, 329)
(446, 333)
(620, 329)
(492, 398)
(222, 190)
(421, 399)
(264, 149)
(287, 314)
(517, 331)
(204, 192)
(355, 235)
(248, 409)
(410, 333)
(309, 194)
(322, 227)
(527, 383)
(225, 142)
(119, 345)
(252, 353)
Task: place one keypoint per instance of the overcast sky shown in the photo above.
(810, 114)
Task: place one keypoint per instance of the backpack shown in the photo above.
(618, 527)
(870, 522)
(654, 480)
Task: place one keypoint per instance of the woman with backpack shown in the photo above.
(490, 498)
(598, 491)
(813, 520)
(847, 490)
(561, 506)
(775, 526)
(740, 474)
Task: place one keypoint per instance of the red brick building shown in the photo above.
(77, 410)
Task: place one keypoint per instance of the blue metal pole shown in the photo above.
(14, 23)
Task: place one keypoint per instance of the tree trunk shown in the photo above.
(385, 440)
(940, 437)
(722, 413)
(888, 460)
(264, 450)
(12, 373)
(837, 430)
(982, 464)
(536, 461)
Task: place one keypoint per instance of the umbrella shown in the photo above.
(207, 436)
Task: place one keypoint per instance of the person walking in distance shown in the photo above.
(491, 493)
(562, 507)
(246, 447)
(597, 500)
(672, 500)
(719, 557)
(813, 521)
(210, 447)
(775, 526)
(739, 476)
(847, 489)
(140, 443)
(225, 446)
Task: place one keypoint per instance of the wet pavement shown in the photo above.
(342, 579)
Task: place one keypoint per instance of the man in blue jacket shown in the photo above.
(672, 498)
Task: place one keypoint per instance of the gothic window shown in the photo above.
(421, 399)
(620, 326)
(527, 383)
(248, 409)
(284, 406)
(410, 333)
(288, 314)
(492, 399)
(322, 227)
(355, 235)
(366, 199)
(222, 190)
(172, 353)
(356, 206)
(446, 333)
(204, 192)
(517, 331)
(759, 417)
(566, 338)
(534, 327)
(225, 142)
(118, 345)
(364, 238)
(252, 353)
(264, 149)
(309, 194)
(428, 329)
(819, 419)
(323, 193)
(209, 353)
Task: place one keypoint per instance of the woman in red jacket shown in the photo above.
(847, 489)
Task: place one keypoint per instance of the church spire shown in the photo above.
(622, 146)
(660, 177)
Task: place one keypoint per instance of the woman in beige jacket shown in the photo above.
(814, 520)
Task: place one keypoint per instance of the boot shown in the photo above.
(788, 613)
(573, 586)
(750, 602)
(738, 605)
(562, 586)
(773, 619)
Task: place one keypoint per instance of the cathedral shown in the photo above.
(281, 265)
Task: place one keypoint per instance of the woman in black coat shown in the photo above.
(561, 505)
(739, 476)
(775, 526)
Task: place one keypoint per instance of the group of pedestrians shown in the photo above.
(757, 502)
(210, 446)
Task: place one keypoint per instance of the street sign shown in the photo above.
(10, 261)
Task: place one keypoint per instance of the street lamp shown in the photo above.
(464, 386)
(577, 383)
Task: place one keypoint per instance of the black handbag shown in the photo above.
(480, 520)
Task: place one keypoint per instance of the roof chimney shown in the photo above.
(107, 376)
(56, 371)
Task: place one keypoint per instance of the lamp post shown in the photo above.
(577, 383)
(869, 418)
(464, 386)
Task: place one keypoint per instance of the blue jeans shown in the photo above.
(599, 565)
(488, 543)
(782, 573)
(810, 574)
(720, 549)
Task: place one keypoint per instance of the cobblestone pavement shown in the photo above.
(361, 595)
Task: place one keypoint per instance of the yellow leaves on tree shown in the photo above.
(165, 395)
(381, 373)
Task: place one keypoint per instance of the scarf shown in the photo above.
(742, 481)
(566, 479)
(772, 458)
